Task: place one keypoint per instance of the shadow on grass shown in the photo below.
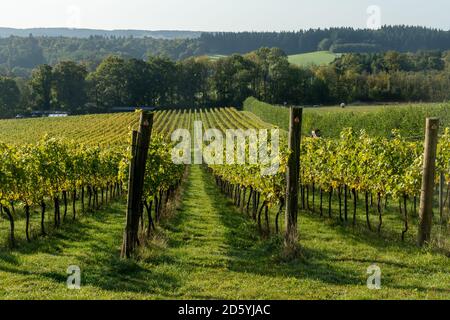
(92, 243)
(9, 258)
(389, 239)
(249, 254)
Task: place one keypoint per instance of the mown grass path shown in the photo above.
(219, 254)
(209, 250)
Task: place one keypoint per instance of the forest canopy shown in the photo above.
(19, 55)
(266, 74)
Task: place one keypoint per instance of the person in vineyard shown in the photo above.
(316, 133)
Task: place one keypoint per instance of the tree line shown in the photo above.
(19, 55)
(342, 40)
(201, 82)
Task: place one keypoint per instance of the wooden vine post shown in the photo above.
(293, 177)
(429, 174)
(441, 196)
(139, 154)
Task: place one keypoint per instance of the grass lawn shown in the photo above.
(209, 250)
(312, 58)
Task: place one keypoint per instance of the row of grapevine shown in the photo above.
(344, 168)
(52, 169)
(161, 180)
(244, 183)
(356, 164)
(56, 171)
(104, 129)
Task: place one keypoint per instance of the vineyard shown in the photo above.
(51, 162)
(354, 186)
(353, 167)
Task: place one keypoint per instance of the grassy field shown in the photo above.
(304, 59)
(377, 120)
(313, 58)
(215, 57)
(209, 250)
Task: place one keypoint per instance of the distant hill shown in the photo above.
(86, 33)
(317, 58)
(20, 52)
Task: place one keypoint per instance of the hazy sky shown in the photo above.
(218, 15)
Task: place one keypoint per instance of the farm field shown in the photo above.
(317, 58)
(215, 57)
(206, 248)
(313, 58)
(376, 120)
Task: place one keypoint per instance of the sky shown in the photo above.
(222, 15)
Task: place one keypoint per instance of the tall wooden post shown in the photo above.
(293, 177)
(139, 154)
(441, 196)
(429, 174)
(145, 129)
(127, 245)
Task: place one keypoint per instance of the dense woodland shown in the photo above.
(342, 40)
(20, 54)
(197, 82)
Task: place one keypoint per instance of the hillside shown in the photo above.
(20, 53)
(86, 33)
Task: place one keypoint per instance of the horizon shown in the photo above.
(218, 31)
(220, 16)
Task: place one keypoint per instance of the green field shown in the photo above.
(376, 120)
(313, 58)
(215, 57)
(304, 59)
